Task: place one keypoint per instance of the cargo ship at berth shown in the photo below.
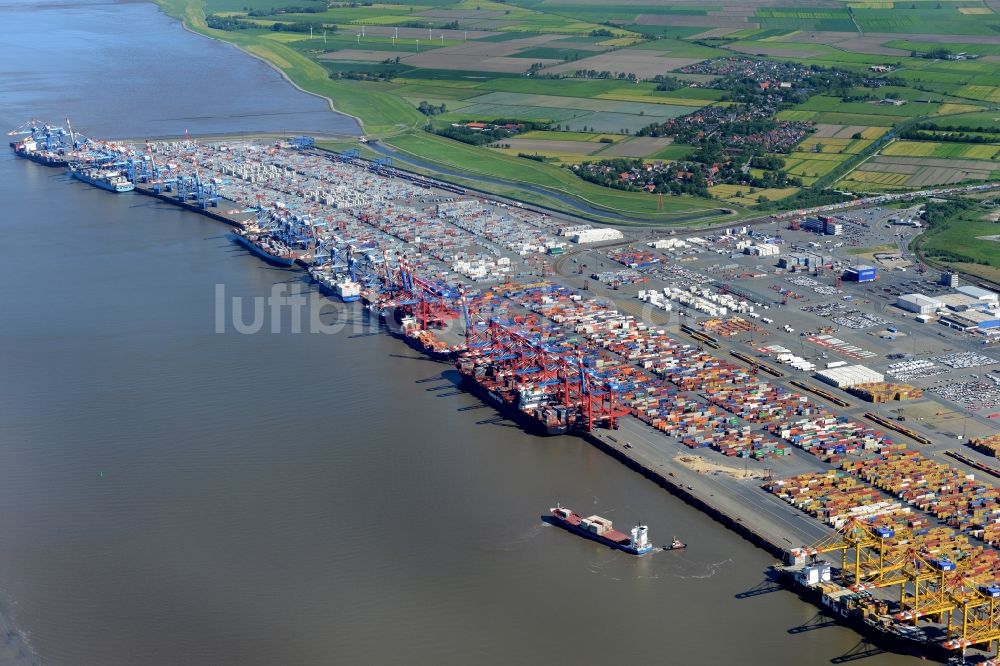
(335, 278)
(267, 248)
(424, 341)
(521, 406)
(340, 286)
(863, 612)
(29, 150)
(111, 180)
(601, 530)
(49, 145)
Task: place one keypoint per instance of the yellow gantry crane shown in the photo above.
(856, 538)
(980, 621)
(930, 587)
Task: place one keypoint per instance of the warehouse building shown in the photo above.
(823, 225)
(849, 375)
(861, 273)
(668, 244)
(801, 260)
(595, 235)
(971, 320)
(990, 298)
(918, 303)
(762, 250)
(960, 302)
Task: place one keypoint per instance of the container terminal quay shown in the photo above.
(803, 380)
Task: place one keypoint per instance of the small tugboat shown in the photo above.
(676, 544)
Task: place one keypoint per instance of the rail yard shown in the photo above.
(863, 417)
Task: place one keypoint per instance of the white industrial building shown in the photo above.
(990, 298)
(667, 244)
(849, 375)
(919, 303)
(960, 302)
(762, 250)
(596, 235)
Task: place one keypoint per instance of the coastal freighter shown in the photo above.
(601, 530)
(111, 180)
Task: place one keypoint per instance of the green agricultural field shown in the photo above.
(795, 114)
(567, 88)
(217, 6)
(835, 118)
(965, 242)
(952, 74)
(825, 145)
(985, 93)
(570, 136)
(942, 150)
(946, 20)
(812, 166)
(572, 113)
(748, 196)
(675, 151)
(985, 119)
(875, 180)
(821, 103)
(954, 47)
(836, 20)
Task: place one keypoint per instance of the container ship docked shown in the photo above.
(277, 236)
(863, 612)
(526, 406)
(333, 276)
(601, 530)
(29, 149)
(271, 250)
(332, 284)
(424, 340)
(48, 145)
(111, 180)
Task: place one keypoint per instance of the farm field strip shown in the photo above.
(941, 150)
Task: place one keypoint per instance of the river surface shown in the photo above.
(175, 494)
(128, 70)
